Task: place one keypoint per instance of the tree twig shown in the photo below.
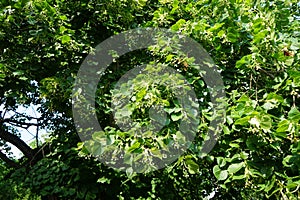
(8, 160)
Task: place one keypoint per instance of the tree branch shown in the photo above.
(8, 161)
(20, 123)
(19, 143)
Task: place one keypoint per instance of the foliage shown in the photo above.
(255, 44)
(11, 190)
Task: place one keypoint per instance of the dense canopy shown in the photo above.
(255, 46)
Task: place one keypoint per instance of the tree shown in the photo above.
(255, 44)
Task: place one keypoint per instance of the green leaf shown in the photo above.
(221, 33)
(221, 161)
(169, 110)
(128, 158)
(63, 17)
(156, 152)
(98, 136)
(18, 73)
(134, 146)
(287, 160)
(176, 117)
(239, 177)
(234, 145)
(103, 180)
(270, 184)
(289, 61)
(97, 149)
(265, 122)
(216, 27)
(178, 25)
(169, 57)
(244, 155)
(129, 172)
(233, 168)
(280, 134)
(242, 121)
(180, 137)
(283, 126)
(294, 114)
(260, 36)
(226, 130)
(140, 95)
(232, 35)
(220, 174)
(62, 29)
(23, 78)
(275, 98)
(258, 25)
(192, 166)
(110, 139)
(243, 98)
(293, 184)
(65, 39)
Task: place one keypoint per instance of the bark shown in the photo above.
(19, 143)
(8, 161)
